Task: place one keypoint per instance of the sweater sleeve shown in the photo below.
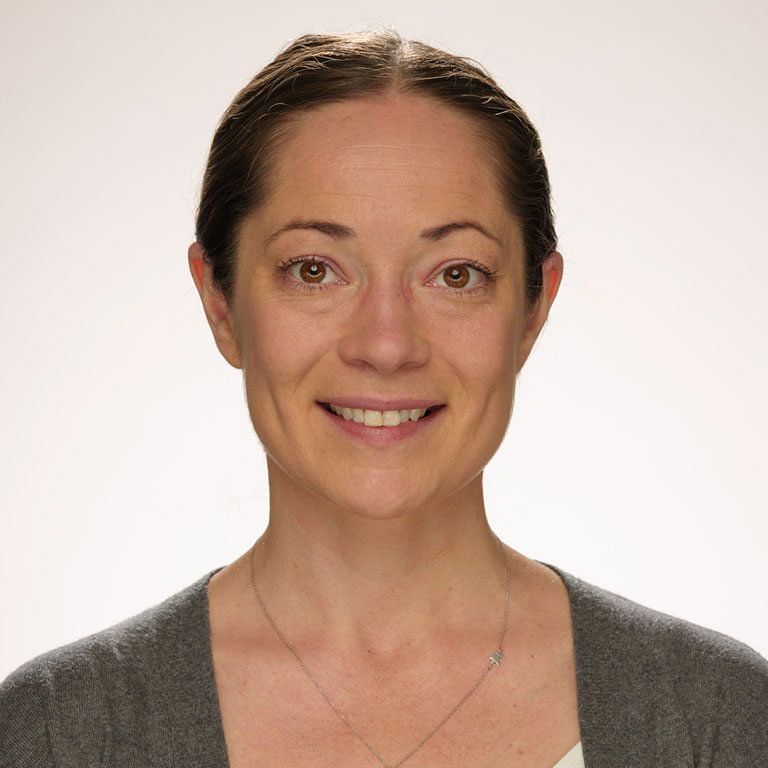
(55, 710)
(24, 738)
(741, 703)
(138, 693)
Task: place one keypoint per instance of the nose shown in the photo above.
(385, 332)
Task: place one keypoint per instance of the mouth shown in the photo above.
(383, 419)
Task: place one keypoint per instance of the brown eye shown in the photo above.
(312, 271)
(465, 278)
(457, 276)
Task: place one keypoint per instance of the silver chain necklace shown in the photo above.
(494, 661)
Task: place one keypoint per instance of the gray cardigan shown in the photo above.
(653, 691)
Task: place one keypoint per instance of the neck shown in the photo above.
(378, 585)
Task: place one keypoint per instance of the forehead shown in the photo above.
(395, 160)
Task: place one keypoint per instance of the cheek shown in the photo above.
(278, 347)
(483, 356)
(483, 345)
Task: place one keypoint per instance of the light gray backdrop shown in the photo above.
(636, 457)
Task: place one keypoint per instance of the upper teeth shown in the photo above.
(378, 418)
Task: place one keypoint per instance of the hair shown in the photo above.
(320, 69)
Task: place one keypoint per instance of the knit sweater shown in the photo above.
(653, 691)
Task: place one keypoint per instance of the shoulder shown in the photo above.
(613, 624)
(651, 665)
(78, 697)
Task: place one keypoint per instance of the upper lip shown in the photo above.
(380, 404)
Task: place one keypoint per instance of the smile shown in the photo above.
(373, 418)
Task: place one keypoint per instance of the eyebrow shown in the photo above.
(438, 233)
(333, 230)
(340, 232)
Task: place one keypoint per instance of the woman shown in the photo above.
(376, 251)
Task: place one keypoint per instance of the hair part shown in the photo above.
(321, 69)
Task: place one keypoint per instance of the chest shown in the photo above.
(523, 714)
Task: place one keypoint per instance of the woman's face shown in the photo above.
(383, 273)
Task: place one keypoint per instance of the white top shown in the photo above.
(571, 759)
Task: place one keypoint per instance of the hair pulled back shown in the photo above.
(320, 69)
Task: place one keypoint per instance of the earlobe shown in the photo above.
(217, 311)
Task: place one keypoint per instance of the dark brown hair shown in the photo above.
(320, 69)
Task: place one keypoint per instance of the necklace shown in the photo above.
(494, 661)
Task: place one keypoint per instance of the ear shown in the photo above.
(552, 275)
(217, 311)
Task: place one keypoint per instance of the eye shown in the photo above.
(464, 277)
(308, 273)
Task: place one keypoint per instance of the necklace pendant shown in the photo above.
(496, 658)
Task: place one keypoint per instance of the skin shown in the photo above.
(387, 548)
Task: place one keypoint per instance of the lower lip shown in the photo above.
(383, 435)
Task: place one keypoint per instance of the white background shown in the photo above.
(636, 457)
